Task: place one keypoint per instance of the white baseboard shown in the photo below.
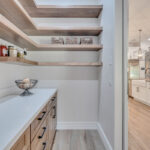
(103, 137)
(85, 126)
(77, 126)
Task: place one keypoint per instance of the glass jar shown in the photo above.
(3, 50)
(12, 51)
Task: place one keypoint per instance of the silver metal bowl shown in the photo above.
(26, 86)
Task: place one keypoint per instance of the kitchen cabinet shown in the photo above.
(52, 122)
(41, 132)
(140, 91)
(24, 141)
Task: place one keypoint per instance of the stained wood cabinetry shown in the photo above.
(24, 141)
(41, 133)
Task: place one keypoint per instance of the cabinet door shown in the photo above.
(136, 91)
(54, 117)
(50, 125)
(142, 94)
(40, 142)
(24, 142)
(35, 125)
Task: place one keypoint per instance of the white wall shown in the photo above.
(77, 99)
(68, 22)
(57, 56)
(110, 104)
(110, 79)
(106, 81)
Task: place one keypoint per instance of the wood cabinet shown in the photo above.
(41, 138)
(24, 141)
(52, 122)
(40, 134)
(35, 125)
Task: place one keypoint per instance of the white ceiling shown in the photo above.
(139, 18)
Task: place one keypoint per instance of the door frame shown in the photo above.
(120, 75)
(125, 74)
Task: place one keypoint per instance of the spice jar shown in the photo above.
(12, 51)
(3, 50)
(25, 52)
(21, 54)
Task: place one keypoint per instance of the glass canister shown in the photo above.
(12, 51)
(3, 50)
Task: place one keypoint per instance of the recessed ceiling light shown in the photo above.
(148, 39)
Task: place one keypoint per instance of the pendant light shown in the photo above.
(140, 53)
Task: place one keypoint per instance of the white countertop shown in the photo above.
(17, 113)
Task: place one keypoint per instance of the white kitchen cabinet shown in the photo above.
(140, 91)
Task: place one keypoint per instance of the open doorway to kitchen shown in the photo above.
(139, 75)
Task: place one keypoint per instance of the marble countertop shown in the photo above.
(17, 113)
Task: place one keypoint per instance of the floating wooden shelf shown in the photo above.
(73, 47)
(69, 11)
(65, 31)
(84, 64)
(11, 33)
(23, 20)
(21, 61)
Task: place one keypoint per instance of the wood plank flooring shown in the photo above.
(139, 126)
(78, 140)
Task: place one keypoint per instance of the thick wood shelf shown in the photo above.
(21, 61)
(69, 11)
(11, 33)
(84, 64)
(65, 31)
(73, 47)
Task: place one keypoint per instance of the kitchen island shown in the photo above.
(141, 91)
(18, 114)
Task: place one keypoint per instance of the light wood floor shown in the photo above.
(78, 140)
(139, 126)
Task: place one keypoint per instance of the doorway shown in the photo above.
(138, 75)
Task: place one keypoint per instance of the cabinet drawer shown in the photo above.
(40, 142)
(24, 142)
(51, 102)
(35, 125)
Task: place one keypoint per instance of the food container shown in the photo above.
(20, 54)
(57, 40)
(3, 50)
(12, 51)
(72, 40)
(86, 40)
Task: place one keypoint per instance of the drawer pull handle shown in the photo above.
(44, 146)
(44, 112)
(53, 99)
(44, 129)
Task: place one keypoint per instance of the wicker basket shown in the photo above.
(86, 40)
(72, 40)
(57, 40)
